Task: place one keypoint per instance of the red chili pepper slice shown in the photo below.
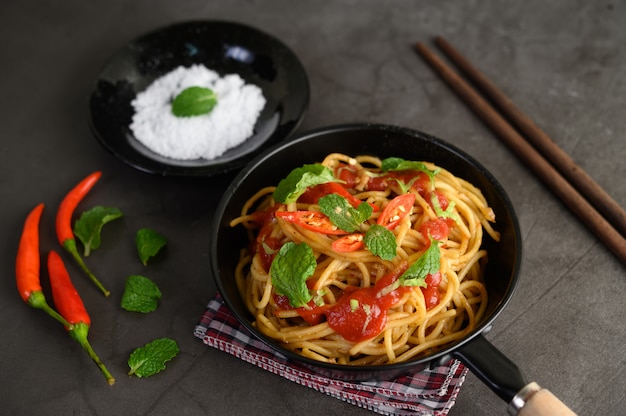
(395, 210)
(348, 243)
(71, 306)
(311, 220)
(431, 292)
(27, 266)
(436, 228)
(65, 234)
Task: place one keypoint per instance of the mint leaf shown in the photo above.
(381, 242)
(194, 101)
(428, 263)
(448, 212)
(290, 188)
(88, 227)
(342, 214)
(149, 243)
(151, 358)
(397, 163)
(292, 266)
(140, 294)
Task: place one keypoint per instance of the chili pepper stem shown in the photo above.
(37, 300)
(70, 247)
(79, 333)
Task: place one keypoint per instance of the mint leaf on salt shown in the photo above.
(149, 243)
(140, 294)
(151, 358)
(194, 101)
(88, 227)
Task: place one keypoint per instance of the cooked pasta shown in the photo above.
(363, 304)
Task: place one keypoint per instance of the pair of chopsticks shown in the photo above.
(578, 191)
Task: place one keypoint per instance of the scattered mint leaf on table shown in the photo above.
(194, 101)
(149, 243)
(292, 266)
(381, 242)
(140, 294)
(89, 226)
(151, 358)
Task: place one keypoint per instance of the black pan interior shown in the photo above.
(382, 141)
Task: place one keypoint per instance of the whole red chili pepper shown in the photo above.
(70, 305)
(27, 266)
(65, 234)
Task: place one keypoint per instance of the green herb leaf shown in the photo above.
(428, 263)
(140, 294)
(397, 163)
(448, 212)
(295, 184)
(151, 358)
(342, 214)
(194, 101)
(149, 243)
(292, 266)
(381, 242)
(88, 227)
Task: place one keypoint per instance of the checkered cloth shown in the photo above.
(429, 392)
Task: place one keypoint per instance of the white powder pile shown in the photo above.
(207, 136)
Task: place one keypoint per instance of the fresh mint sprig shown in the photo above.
(151, 358)
(148, 242)
(89, 226)
(296, 183)
(428, 263)
(292, 266)
(140, 295)
(342, 214)
(381, 242)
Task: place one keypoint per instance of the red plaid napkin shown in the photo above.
(429, 392)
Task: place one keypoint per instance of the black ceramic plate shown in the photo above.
(224, 47)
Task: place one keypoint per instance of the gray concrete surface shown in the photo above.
(561, 61)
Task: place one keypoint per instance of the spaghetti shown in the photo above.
(385, 265)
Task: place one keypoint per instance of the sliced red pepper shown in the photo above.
(311, 220)
(348, 174)
(313, 194)
(420, 181)
(348, 243)
(396, 210)
(437, 228)
(431, 292)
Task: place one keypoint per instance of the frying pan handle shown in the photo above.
(505, 378)
(532, 400)
(492, 367)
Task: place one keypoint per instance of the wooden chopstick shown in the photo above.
(607, 234)
(585, 184)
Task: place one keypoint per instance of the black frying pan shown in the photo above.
(501, 275)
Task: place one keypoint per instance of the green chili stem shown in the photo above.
(79, 332)
(70, 246)
(38, 300)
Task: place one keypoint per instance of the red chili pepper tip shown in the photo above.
(64, 231)
(27, 266)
